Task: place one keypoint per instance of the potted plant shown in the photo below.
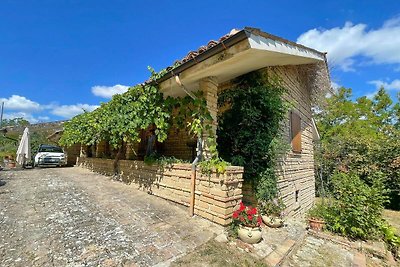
(248, 221)
(316, 217)
(272, 212)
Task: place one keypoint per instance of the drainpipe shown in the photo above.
(193, 178)
(198, 156)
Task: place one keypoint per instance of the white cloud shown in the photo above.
(20, 103)
(109, 91)
(371, 95)
(20, 107)
(68, 111)
(379, 46)
(391, 86)
(27, 116)
(394, 85)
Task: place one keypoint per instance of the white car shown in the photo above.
(50, 155)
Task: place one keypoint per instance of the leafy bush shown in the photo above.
(391, 239)
(156, 159)
(213, 164)
(360, 136)
(356, 209)
(319, 211)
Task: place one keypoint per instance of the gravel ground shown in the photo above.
(73, 217)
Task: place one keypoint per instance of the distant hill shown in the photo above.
(38, 132)
(45, 128)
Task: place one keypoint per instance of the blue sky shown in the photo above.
(57, 57)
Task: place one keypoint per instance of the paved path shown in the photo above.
(72, 217)
(316, 252)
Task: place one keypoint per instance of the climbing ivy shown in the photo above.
(249, 130)
(121, 120)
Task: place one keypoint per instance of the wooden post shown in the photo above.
(192, 191)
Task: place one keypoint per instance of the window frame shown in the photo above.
(295, 132)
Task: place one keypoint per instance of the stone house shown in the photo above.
(210, 69)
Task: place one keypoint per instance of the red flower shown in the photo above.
(250, 217)
(242, 207)
(235, 214)
(253, 211)
(241, 218)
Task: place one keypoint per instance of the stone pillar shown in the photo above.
(209, 86)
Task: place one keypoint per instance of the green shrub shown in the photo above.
(391, 239)
(319, 211)
(157, 159)
(356, 209)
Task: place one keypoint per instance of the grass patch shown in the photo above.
(218, 255)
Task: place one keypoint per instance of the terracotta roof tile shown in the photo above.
(202, 49)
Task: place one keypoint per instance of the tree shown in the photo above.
(362, 137)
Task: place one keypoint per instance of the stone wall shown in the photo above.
(216, 196)
(178, 144)
(72, 153)
(295, 170)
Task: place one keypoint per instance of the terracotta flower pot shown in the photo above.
(272, 221)
(316, 224)
(250, 235)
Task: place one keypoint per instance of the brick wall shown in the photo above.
(216, 196)
(176, 144)
(72, 152)
(296, 171)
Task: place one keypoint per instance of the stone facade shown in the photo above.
(296, 170)
(216, 195)
(179, 144)
(72, 153)
(209, 86)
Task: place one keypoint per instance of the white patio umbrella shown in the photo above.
(24, 148)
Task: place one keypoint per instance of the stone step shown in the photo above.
(279, 254)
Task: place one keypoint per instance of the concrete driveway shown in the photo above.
(73, 217)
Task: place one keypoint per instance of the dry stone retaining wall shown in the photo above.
(216, 195)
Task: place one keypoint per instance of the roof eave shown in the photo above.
(229, 42)
(223, 45)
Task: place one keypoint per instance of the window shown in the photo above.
(295, 132)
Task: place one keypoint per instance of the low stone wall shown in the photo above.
(216, 195)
